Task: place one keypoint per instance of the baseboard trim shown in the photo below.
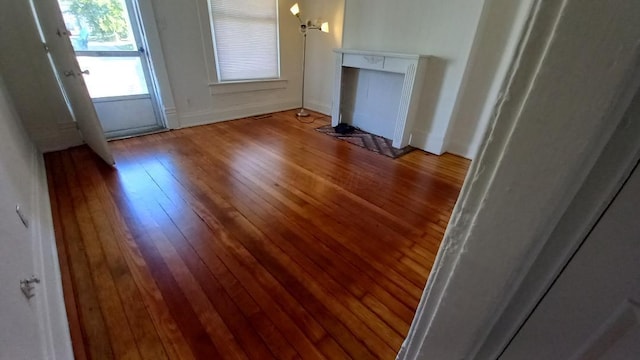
(316, 106)
(198, 118)
(52, 314)
(238, 112)
(171, 117)
(247, 86)
(460, 149)
(428, 142)
(65, 137)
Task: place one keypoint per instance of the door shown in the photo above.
(109, 46)
(63, 60)
(593, 309)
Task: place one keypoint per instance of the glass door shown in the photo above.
(110, 49)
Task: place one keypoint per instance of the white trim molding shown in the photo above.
(430, 142)
(232, 87)
(573, 78)
(236, 112)
(318, 106)
(51, 311)
(156, 53)
(613, 166)
(66, 136)
(171, 116)
(460, 149)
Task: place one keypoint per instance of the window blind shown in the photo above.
(245, 37)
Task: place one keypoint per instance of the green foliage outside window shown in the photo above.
(105, 18)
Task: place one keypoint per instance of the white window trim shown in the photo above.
(232, 87)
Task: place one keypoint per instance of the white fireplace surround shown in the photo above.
(411, 66)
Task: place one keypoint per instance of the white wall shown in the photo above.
(186, 42)
(320, 57)
(34, 329)
(444, 29)
(17, 316)
(496, 39)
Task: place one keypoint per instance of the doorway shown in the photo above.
(111, 50)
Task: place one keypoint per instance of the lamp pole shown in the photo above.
(304, 27)
(303, 112)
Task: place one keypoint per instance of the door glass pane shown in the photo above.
(98, 25)
(113, 76)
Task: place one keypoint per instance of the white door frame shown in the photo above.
(608, 175)
(52, 314)
(150, 78)
(164, 93)
(557, 149)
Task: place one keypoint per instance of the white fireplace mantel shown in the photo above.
(411, 66)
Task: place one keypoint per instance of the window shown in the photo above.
(245, 39)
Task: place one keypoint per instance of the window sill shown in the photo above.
(232, 87)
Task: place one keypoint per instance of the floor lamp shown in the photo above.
(304, 26)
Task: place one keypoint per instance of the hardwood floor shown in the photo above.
(248, 239)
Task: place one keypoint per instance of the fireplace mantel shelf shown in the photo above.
(382, 53)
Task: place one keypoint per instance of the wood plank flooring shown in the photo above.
(247, 239)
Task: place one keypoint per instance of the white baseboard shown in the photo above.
(237, 112)
(317, 106)
(460, 149)
(171, 117)
(65, 137)
(428, 142)
(52, 315)
(197, 118)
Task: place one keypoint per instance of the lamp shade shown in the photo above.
(324, 27)
(295, 9)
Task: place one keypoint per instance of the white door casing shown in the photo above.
(602, 184)
(593, 309)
